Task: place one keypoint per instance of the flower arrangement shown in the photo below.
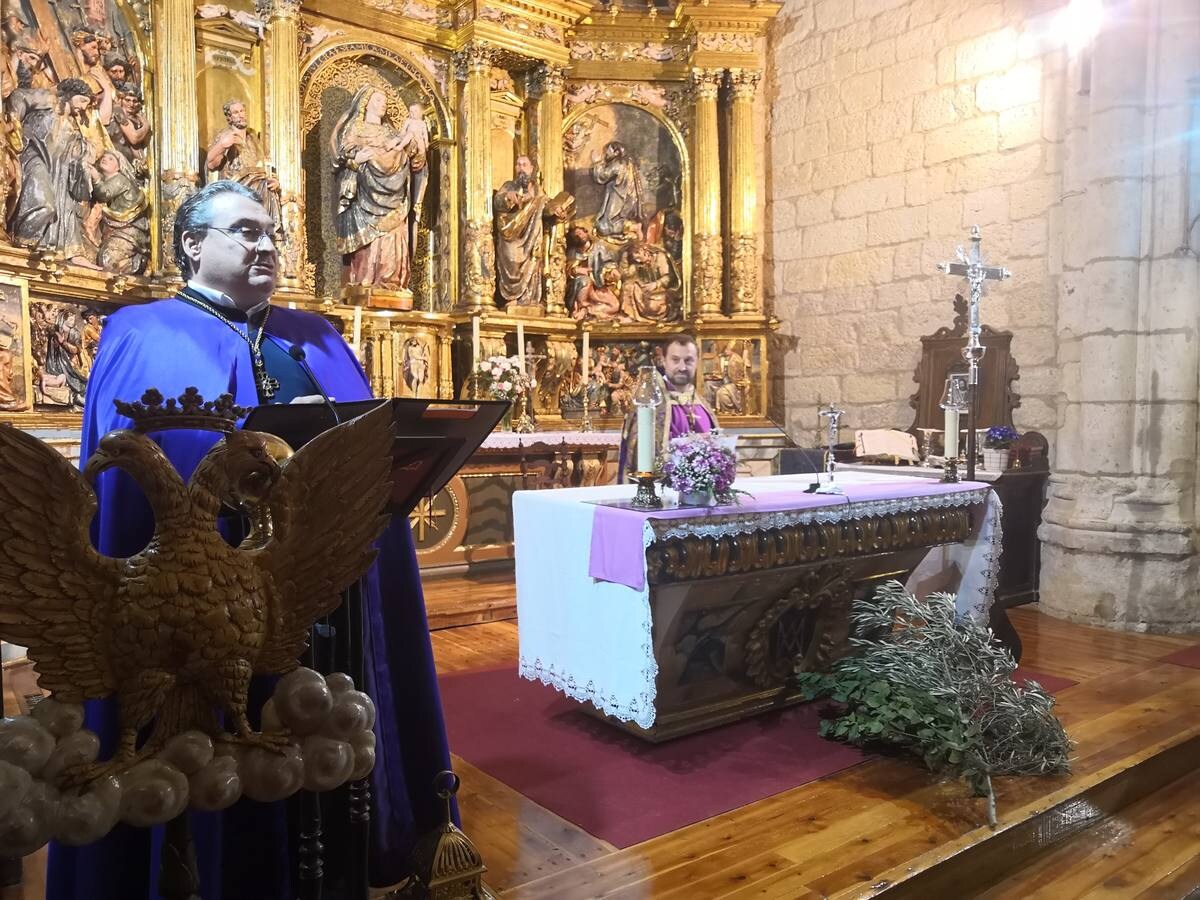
(501, 378)
(1000, 437)
(698, 463)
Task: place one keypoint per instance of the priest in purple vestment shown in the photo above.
(221, 335)
(682, 413)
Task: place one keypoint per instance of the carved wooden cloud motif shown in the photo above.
(175, 632)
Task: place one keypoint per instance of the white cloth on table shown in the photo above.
(593, 640)
(511, 440)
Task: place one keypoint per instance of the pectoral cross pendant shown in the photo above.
(267, 386)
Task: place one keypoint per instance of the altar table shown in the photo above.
(675, 620)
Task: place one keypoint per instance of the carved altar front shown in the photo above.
(570, 167)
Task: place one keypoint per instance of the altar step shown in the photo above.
(456, 599)
(1133, 833)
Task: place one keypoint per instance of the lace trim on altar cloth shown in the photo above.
(981, 607)
(639, 710)
(748, 523)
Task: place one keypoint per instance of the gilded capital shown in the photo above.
(271, 10)
(706, 83)
(547, 79)
(473, 59)
(744, 83)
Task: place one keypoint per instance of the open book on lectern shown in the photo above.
(433, 438)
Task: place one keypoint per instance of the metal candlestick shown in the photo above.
(646, 496)
(834, 416)
(927, 442)
(585, 423)
(971, 266)
(950, 470)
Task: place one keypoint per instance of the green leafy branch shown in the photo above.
(931, 684)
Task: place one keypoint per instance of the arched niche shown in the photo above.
(327, 86)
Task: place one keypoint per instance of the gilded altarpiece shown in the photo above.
(633, 123)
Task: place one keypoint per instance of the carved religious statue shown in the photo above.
(237, 153)
(622, 203)
(521, 208)
(124, 231)
(54, 128)
(8, 363)
(382, 172)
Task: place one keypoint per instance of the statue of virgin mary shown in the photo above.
(373, 198)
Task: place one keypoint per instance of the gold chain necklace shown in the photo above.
(265, 384)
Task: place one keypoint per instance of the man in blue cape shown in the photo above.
(221, 335)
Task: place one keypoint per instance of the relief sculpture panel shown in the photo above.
(76, 136)
(625, 242)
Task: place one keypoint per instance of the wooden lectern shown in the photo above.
(433, 439)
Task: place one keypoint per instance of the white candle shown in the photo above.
(475, 342)
(587, 356)
(357, 336)
(521, 346)
(951, 425)
(645, 438)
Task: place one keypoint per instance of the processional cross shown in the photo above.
(971, 267)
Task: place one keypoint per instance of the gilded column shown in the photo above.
(548, 85)
(176, 51)
(473, 65)
(283, 123)
(706, 217)
(745, 262)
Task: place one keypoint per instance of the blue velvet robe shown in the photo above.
(244, 853)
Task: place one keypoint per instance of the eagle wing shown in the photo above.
(327, 510)
(56, 591)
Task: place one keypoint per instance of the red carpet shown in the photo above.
(615, 786)
(1188, 656)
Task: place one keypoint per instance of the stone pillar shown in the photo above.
(175, 44)
(706, 198)
(1120, 527)
(282, 78)
(473, 65)
(745, 261)
(547, 84)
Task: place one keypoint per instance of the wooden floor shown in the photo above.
(876, 824)
(861, 830)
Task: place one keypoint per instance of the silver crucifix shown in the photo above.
(971, 267)
(834, 415)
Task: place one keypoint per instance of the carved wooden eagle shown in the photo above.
(175, 631)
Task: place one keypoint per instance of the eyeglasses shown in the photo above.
(249, 236)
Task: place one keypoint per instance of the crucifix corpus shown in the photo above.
(970, 265)
(834, 416)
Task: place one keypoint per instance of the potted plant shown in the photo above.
(996, 446)
(702, 468)
(501, 378)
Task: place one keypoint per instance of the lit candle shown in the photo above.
(475, 342)
(357, 337)
(587, 356)
(521, 346)
(951, 425)
(645, 438)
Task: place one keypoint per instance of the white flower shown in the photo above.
(506, 386)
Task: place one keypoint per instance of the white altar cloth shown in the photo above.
(592, 639)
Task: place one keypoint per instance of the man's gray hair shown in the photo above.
(195, 214)
(230, 104)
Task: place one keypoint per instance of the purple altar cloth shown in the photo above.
(618, 548)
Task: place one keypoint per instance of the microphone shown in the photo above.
(297, 353)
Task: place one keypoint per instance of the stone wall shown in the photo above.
(894, 127)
